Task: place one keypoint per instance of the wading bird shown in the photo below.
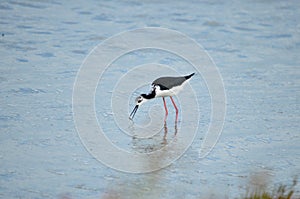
(163, 87)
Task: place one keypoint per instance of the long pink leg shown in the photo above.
(175, 108)
(166, 109)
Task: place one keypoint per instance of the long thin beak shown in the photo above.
(133, 112)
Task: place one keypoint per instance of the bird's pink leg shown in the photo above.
(175, 108)
(166, 109)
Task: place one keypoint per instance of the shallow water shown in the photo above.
(255, 45)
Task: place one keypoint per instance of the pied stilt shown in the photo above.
(163, 87)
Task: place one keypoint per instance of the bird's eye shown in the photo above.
(139, 101)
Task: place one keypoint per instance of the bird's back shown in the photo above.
(167, 83)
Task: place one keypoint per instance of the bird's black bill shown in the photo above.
(133, 112)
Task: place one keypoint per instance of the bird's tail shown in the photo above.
(189, 76)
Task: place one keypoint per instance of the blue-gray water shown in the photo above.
(255, 45)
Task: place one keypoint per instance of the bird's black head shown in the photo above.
(138, 101)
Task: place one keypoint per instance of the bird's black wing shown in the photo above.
(166, 83)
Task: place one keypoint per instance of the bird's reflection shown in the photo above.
(152, 144)
(166, 131)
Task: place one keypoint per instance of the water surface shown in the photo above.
(255, 45)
